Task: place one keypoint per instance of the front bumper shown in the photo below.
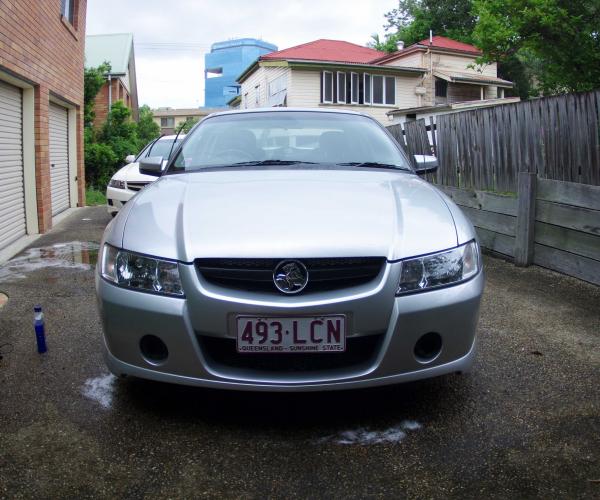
(209, 313)
(116, 198)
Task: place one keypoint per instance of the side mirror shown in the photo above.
(152, 165)
(425, 164)
(129, 159)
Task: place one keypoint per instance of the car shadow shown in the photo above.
(419, 401)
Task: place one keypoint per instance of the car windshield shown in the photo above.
(162, 147)
(287, 138)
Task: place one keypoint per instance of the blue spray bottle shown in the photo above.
(38, 324)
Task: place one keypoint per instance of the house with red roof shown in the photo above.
(335, 73)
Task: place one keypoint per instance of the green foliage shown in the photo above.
(148, 129)
(187, 125)
(119, 132)
(93, 79)
(100, 161)
(105, 148)
(557, 40)
(543, 46)
(94, 197)
(413, 19)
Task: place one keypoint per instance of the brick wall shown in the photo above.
(119, 93)
(39, 46)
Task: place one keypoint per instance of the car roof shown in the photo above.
(170, 137)
(286, 110)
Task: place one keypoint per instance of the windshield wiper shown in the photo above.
(271, 162)
(372, 164)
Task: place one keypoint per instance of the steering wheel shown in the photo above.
(234, 155)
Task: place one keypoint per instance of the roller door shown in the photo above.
(12, 190)
(59, 158)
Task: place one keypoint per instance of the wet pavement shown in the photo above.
(524, 424)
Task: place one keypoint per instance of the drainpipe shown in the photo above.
(431, 67)
(109, 92)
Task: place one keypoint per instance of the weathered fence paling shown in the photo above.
(554, 224)
(555, 137)
(525, 219)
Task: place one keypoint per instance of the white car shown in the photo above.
(128, 180)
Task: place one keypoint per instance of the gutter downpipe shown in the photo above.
(109, 92)
(431, 67)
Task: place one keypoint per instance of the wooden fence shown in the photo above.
(554, 224)
(526, 174)
(485, 149)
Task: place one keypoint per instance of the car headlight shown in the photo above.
(439, 269)
(132, 270)
(114, 183)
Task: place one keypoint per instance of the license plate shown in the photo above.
(283, 334)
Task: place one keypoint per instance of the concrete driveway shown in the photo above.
(524, 424)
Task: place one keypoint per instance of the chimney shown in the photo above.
(400, 45)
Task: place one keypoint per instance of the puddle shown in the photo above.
(100, 389)
(365, 436)
(71, 255)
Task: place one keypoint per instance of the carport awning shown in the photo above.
(471, 79)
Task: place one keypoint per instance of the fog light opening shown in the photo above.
(428, 347)
(153, 349)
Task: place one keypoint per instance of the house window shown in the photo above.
(354, 88)
(327, 87)
(441, 88)
(390, 90)
(66, 9)
(377, 89)
(167, 122)
(384, 90)
(278, 91)
(357, 88)
(341, 87)
(367, 88)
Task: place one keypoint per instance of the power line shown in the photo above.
(171, 46)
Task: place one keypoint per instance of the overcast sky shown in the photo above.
(173, 74)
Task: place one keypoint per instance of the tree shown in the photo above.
(413, 19)
(147, 128)
(106, 148)
(100, 160)
(93, 79)
(187, 125)
(557, 41)
(119, 132)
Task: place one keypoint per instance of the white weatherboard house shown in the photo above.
(338, 74)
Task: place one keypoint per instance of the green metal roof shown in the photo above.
(114, 48)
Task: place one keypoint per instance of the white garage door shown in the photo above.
(12, 192)
(59, 158)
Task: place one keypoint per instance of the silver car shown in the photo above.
(289, 250)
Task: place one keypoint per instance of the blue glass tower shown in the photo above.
(225, 62)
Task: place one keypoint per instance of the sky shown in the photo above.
(172, 36)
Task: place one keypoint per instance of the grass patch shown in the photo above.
(94, 197)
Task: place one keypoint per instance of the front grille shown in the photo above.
(221, 351)
(136, 186)
(256, 275)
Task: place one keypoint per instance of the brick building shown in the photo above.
(121, 84)
(41, 115)
(168, 119)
